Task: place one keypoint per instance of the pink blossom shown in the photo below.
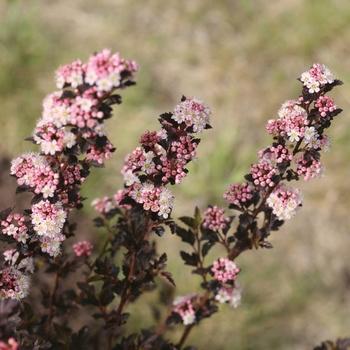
(183, 306)
(83, 248)
(159, 200)
(262, 174)
(325, 105)
(239, 194)
(99, 154)
(317, 77)
(284, 202)
(215, 219)
(309, 169)
(48, 218)
(231, 295)
(291, 122)
(150, 139)
(14, 284)
(15, 225)
(224, 270)
(53, 139)
(34, 171)
(105, 70)
(275, 155)
(103, 205)
(193, 113)
(11, 344)
(70, 74)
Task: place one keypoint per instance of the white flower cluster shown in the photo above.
(291, 108)
(284, 202)
(159, 200)
(229, 295)
(316, 77)
(193, 113)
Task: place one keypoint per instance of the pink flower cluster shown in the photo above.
(317, 77)
(48, 220)
(52, 139)
(291, 123)
(224, 270)
(104, 71)
(79, 114)
(83, 248)
(34, 171)
(15, 226)
(263, 174)
(14, 284)
(239, 194)
(103, 205)
(325, 105)
(71, 137)
(284, 202)
(159, 200)
(163, 156)
(11, 344)
(184, 307)
(309, 168)
(275, 155)
(193, 113)
(215, 219)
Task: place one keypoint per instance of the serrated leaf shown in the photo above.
(189, 259)
(189, 221)
(186, 236)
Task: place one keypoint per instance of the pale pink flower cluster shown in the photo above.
(70, 74)
(291, 123)
(317, 77)
(325, 105)
(15, 226)
(309, 169)
(83, 248)
(52, 139)
(71, 137)
(56, 110)
(291, 108)
(103, 205)
(11, 257)
(224, 270)
(215, 219)
(231, 295)
(10, 344)
(193, 113)
(159, 200)
(92, 82)
(184, 307)
(48, 220)
(33, 170)
(14, 284)
(71, 174)
(284, 202)
(103, 70)
(239, 194)
(162, 158)
(275, 155)
(98, 154)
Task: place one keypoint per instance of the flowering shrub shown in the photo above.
(102, 282)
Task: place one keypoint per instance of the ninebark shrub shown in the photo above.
(72, 139)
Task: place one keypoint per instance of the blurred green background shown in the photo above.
(242, 58)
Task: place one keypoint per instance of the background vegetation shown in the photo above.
(242, 58)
